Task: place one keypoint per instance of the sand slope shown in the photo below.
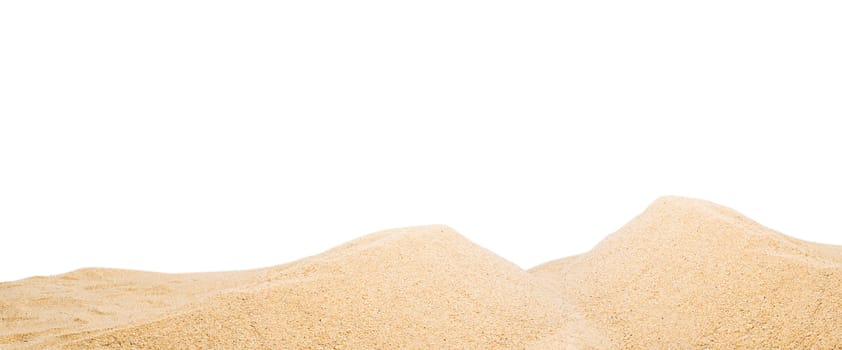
(690, 274)
(42, 312)
(423, 287)
(685, 274)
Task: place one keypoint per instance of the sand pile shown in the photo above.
(692, 274)
(42, 312)
(421, 288)
(684, 274)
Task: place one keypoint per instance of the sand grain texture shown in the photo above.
(691, 274)
(685, 274)
(414, 288)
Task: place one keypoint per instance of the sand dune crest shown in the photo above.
(684, 274)
(692, 274)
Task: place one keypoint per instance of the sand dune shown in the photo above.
(684, 274)
(422, 287)
(690, 274)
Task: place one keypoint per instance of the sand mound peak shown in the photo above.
(673, 212)
(673, 220)
(397, 239)
(692, 274)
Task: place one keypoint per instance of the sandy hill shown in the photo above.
(685, 274)
(690, 274)
(420, 288)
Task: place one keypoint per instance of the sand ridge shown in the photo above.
(418, 287)
(684, 274)
(692, 274)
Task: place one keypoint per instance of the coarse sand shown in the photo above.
(421, 287)
(685, 274)
(690, 274)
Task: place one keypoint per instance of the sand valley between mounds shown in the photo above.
(684, 274)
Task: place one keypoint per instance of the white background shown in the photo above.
(207, 135)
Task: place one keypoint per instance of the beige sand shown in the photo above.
(685, 274)
(690, 274)
(420, 288)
